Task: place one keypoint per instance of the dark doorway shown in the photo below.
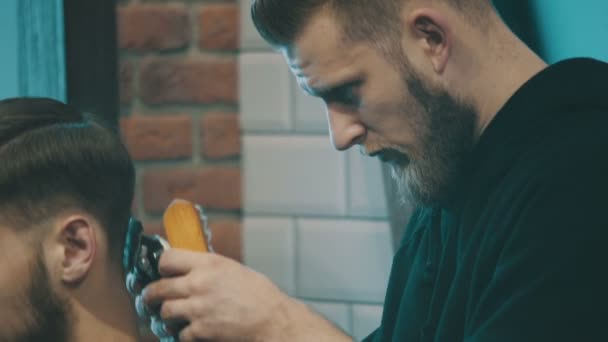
(67, 51)
(91, 57)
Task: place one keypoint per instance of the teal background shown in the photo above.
(556, 29)
(571, 28)
(9, 60)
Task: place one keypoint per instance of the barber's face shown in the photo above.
(29, 308)
(387, 108)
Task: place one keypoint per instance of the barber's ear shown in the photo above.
(77, 237)
(431, 32)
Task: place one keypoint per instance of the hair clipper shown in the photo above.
(185, 226)
(141, 256)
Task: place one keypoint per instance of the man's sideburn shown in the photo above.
(49, 315)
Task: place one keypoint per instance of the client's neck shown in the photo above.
(103, 311)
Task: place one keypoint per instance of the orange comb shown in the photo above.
(183, 227)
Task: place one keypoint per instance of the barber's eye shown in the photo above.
(349, 96)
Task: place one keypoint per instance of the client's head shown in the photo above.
(66, 186)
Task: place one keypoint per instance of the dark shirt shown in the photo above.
(520, 253)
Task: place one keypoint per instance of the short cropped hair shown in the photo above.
(54, 157)
(280, 22)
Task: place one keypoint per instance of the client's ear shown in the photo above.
(78, 242)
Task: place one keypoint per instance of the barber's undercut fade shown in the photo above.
(52, 158)
(280, 22)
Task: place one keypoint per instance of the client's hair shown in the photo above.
(53, 157)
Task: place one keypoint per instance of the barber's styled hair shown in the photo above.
(53, 157)
(280, 22)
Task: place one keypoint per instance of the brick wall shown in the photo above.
(179, 104)
(315, 220)
(180, 121)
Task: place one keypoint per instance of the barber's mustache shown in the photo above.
(392, 156)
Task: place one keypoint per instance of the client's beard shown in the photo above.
(49, 314)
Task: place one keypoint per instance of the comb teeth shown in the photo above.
(184, 226)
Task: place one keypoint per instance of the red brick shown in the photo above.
(220, 188)
(158, 137)
(219, 27)
(212, 80)
(227, 238)
(221, 136)
(160, 187)
(153, 27)
(213, 188)
(126, 71)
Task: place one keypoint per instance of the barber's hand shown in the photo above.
(217, 299)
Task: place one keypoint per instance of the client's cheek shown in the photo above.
(15, 272)
(15, 314)
(15, 279)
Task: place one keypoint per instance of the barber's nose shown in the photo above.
(345, 128)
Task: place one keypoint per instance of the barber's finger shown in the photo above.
(176, 262)
(190, 333)
(178, 310)
(165, 289)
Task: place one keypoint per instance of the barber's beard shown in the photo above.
(47, 314)
(445, 128)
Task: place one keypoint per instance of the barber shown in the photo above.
(504, 157)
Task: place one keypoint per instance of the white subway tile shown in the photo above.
(337, 313)
(343, 260)
(296, 175)
(250, 38)
(310, 112)
(268, 247)
(366, 319)
(367, 197)
(264, 92)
